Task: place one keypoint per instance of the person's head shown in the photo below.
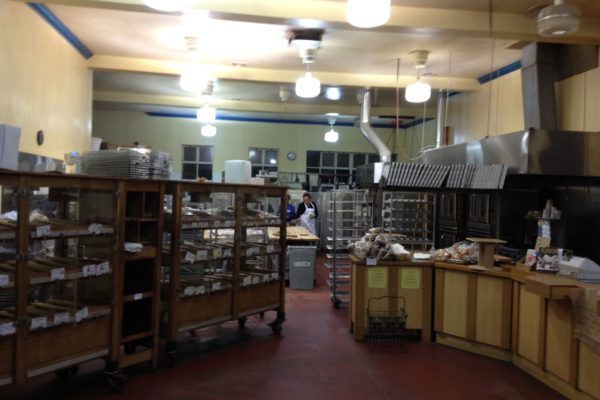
(289, 198)
(306, 197)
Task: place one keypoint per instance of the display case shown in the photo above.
(135, 329)
(411, 214)
(219, 262)
(58, 239)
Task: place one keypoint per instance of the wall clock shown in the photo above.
(291, 156)
(40, 138)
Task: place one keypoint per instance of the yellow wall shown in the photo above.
(578, 104)
(44, 84)
(233, 138)
(494, 110)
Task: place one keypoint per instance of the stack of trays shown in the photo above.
(160, 165)
(117, 163)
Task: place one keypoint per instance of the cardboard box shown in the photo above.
(10, 137)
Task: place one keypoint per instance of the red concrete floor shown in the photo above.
(314, 358)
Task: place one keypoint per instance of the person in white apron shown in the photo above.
(307, 213)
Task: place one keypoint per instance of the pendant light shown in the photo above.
(206, 114)
(418, 92)
(165, 5)
(209, 130)
(559, 19)
(308, 86)
(194, 78)
(368, 13)
(331, 136)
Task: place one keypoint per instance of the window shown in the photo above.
(197, 162)
(337, 167)
(263, 159)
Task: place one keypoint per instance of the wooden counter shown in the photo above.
(411, 280)
(521, 316)
(293, 234)
(473, 309)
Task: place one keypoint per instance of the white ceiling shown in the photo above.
(260, 43)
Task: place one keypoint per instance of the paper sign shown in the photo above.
(410, 278)
(275, 276)
(4, 281)
(255, 279)
(88, 270)
(42, 230)
(377, 278)
(270, 248)
(57, 274)
(202, 254)
(82, 314)
(95, 229)
(371, 261)
(200, 290)
(247, 280)
(227, 252)
(7, 328)
(217, 252)
(103, 268)
(189, 257)
(38, 323)
(61, 318)
(189, 291)
(216, 286)
(138, 296)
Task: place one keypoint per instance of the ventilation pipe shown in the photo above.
(367, 130)
(440, 131)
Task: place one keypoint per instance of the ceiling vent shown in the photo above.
(305, 38)
(557, 20)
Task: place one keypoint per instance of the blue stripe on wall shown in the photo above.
(61, 28)
(499, 72)
(284, 121)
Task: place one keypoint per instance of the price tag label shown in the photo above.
(82, 314)
(202, 254)
(189, 291)
(7, 328)
(216, 286)
(138, 296)
(38, 323)
(89, 270)
(200, 290)
(371, 261)
(42, 230)
(61, 318)
(189, 257)
(247, 281)
(104, 267)
(4, 280)
(95, 229)
(270, 248)
(255, 279)
(275, 276)
(217, 252)
(57, 274)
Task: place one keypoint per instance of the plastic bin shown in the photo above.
(301, 264)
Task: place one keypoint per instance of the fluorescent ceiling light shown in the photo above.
(165, 5)
(333, 114)
(308, 86)
(206, 114)
(331, 136)
(368, 13)
(209, 130)
(193, 78)
(417, 92)
(273, 161)
(333, 93)
(558, 19)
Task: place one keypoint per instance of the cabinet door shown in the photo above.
(531, 315)
(455, 303)
(493, 313)
(559, 337)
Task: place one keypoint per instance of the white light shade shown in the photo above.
(209, 130)
(333, 93)
(206, 114)
(308, 86)
(165, 5)
(558, 20)
(331, 136)
(417, 92)
(193, 78)
(368, 13)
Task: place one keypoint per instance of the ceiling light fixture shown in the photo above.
(307, 41)
(559, 19)
(308, 86)
(418, 92)
(368, 13)
(209, 130)
(194, 78)
(333, 93)
(331, 136)
(166, 5)
(206, 114)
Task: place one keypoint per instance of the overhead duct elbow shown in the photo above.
(367, 129)
(440, 130)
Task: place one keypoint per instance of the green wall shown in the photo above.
(234, 138)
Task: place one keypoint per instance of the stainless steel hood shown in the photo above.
(534, 152)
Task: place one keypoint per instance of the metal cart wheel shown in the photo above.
(64, 375)
(242, 323)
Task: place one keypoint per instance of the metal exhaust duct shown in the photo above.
(441, 119)
(367, 130)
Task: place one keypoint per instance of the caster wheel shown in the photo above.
(64, 375)
(242, 323)
(276, 328)
(261, 315)
(114, 384)
(336, 303)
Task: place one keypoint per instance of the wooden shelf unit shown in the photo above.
(220, 258)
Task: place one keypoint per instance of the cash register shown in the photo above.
(580, 268)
